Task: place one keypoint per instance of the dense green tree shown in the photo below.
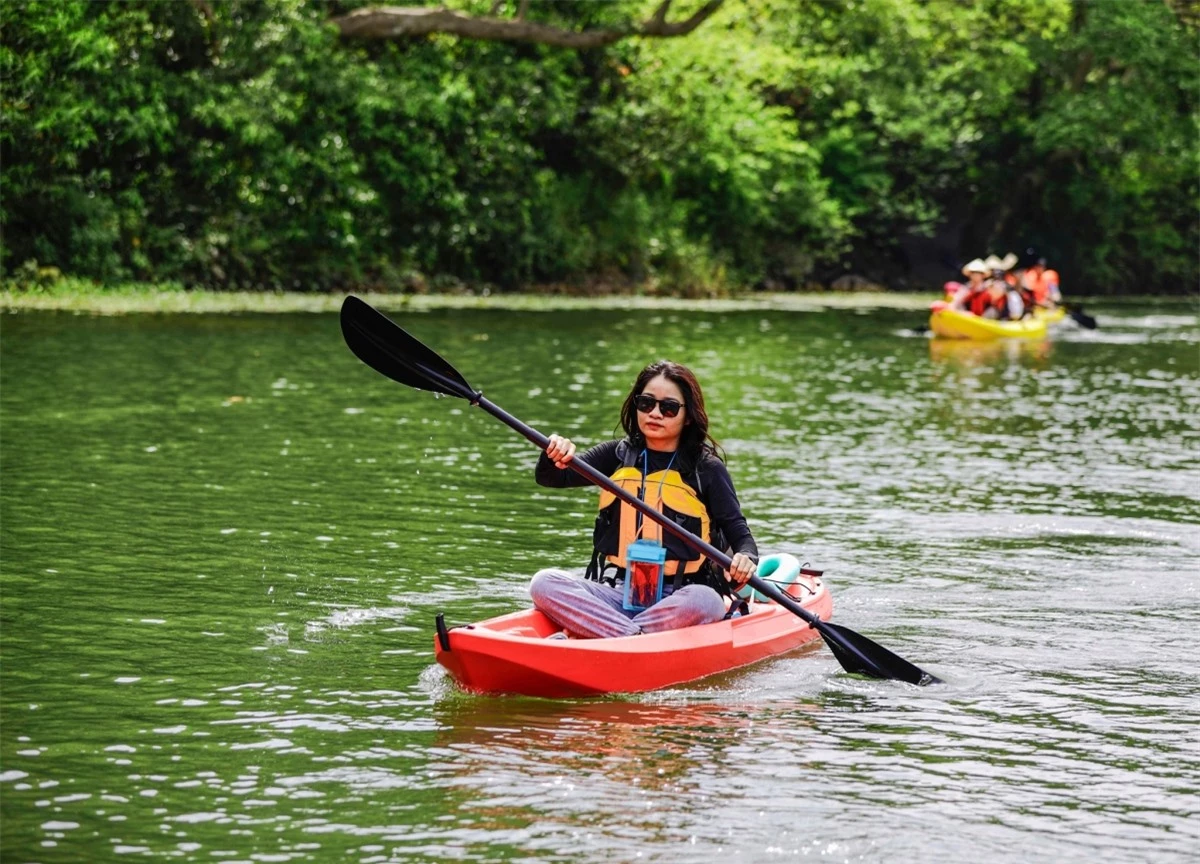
(900, 99)
(1104, 146)
(241, 144)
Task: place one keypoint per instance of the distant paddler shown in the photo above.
(989, 294)
(1042, 284)
(975, 271)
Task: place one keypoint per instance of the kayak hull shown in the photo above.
(953, 324)
(1050, 316)
(511, 654)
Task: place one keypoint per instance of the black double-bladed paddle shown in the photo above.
(390, 350)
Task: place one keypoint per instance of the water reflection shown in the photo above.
(971, 353)
(607, 728)
(621, 774)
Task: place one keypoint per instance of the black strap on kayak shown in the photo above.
(443, 633)
(742, 607)
(738, 607)
(816, 573)
(784, 586)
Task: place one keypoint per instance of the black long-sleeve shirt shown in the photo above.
(715, 488)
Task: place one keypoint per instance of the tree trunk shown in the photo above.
(397, 22)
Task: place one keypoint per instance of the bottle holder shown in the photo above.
(644, 562)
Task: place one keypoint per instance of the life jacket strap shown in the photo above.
(597, 570)
(677, 580)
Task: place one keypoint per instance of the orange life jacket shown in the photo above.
(1039, 284)
(1050, 279)
(668, 492)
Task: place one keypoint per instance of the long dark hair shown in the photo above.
(695, 441)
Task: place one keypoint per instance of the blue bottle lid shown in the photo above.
(646, 550)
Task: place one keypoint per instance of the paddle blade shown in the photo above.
(859, 654)
(390, 350)
(1080, 317)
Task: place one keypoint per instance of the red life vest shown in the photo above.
(981, 301)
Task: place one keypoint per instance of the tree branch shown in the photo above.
(203, 7)
(659, 26)
(396, 22)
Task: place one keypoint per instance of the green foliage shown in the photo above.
(250, 147)
(686, 123)
(899, 98)
(1113, 149)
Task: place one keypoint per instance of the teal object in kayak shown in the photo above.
(783, 570)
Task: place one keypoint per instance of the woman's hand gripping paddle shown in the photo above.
(390, 350)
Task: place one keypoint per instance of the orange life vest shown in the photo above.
(1050, 279)
(1040, 284)
(618, 524)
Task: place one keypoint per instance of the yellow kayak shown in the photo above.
(952, 324)
(1050, 316)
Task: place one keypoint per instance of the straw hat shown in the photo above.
(993, 263)
(1009, 261)
(976, 266)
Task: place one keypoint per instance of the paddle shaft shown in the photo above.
(604, 482)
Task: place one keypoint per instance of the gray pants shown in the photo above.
(593, 610)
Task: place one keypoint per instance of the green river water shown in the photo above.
(223, 541)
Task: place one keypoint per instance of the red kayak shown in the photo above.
(511, 654)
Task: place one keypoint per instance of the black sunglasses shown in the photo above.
(645, 403)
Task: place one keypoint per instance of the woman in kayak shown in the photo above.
(668, 459)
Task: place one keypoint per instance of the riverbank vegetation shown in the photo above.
(84, 296)
(785, 144)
